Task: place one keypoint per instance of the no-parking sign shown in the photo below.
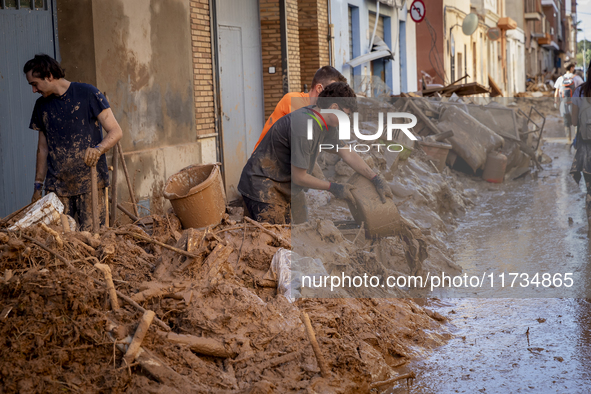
(417, 11)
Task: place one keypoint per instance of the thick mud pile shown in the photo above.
(428, 202)
(220, 325)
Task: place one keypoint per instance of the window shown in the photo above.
(23, 4)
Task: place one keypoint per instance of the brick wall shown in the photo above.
(293, 46)
(313, 26)
(271, 43)
(202, 67)
(271, 46)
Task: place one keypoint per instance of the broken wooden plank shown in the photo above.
(201, 345)
(317, 352)
(282, 240)
(416, 111)
(106, 270)
(495, 90)
(138, 337)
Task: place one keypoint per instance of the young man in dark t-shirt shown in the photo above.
(273, 181)
(70, 117)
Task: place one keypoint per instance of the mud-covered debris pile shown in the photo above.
(219, 324)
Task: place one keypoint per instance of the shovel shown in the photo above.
(94, 194)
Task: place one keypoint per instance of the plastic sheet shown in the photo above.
(287, 269)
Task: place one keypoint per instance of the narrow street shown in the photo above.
(490, 350)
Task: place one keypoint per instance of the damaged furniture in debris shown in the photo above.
(481, 129)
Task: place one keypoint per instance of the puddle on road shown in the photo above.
(520, 226)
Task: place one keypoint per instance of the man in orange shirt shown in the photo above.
(294, 101)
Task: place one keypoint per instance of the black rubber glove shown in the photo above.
(382, 188)
(342, 190)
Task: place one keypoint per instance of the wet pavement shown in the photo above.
(524, 344)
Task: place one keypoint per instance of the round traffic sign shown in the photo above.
(417, 11)
(494, 33)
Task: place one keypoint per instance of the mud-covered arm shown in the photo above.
(40, 166)
(113, 135)
(42, 153)
(301, 178)
(112, 129)
(356, 163)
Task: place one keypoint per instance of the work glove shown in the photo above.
(382, 188)
(342, 190)
(92, 156)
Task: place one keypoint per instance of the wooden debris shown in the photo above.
(138, 337)
(201, 345)
(65, 223)
(82, 244)
(115, 163)
(192, 240)
(58, 239)
(467, 89)
(87, 238)
(131, 193)
(148, 239)
(282, 240)
(107, 207)
(416, 111)
(266, 283)
(98, 282)
(276, 361)
(359, 232)
(214, 262)
(312, 337)
(158, 369)
(125, 211)
(495, 91)
(375, 385)
(5, 312)
(156, 289)
(95, 204)
(7, 218)
(106, 270)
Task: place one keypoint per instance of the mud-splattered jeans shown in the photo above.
(295, 212)
(80, 208)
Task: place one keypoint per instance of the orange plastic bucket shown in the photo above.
(197, 195)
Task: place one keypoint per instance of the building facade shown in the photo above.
(354, 24)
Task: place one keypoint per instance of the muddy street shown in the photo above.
(527, 344)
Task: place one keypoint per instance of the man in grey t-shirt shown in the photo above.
(282, 164)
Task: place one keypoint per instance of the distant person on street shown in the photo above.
(295, 100)
(70, 118)
(578, 78)
(565, 87)
(274, 178)
(581, 116)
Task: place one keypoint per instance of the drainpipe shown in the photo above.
(216, 84)
(284, 52)
(330, 34)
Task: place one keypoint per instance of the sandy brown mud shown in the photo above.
(58, 332)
